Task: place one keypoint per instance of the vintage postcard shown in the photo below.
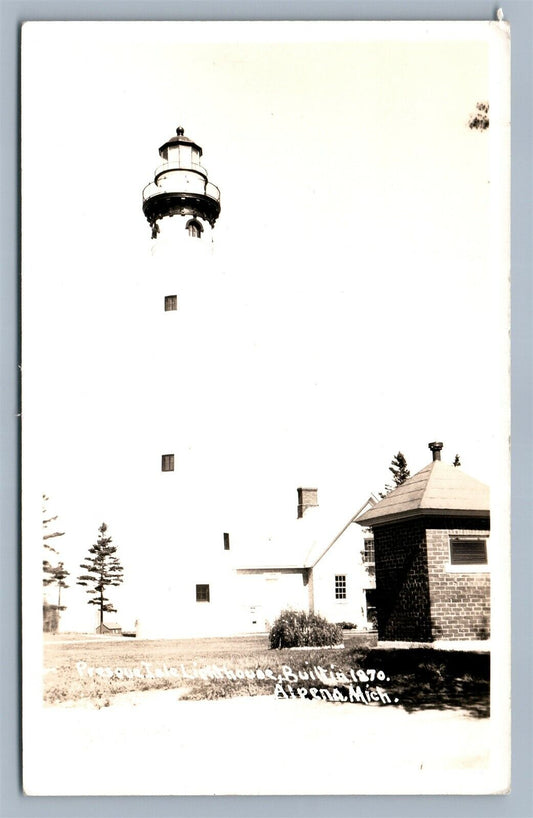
(265, 403)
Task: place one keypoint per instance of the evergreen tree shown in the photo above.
(58, 574)
(400, 473)
(457, 461)
(48, 535)
(399, 469)
(52, 574)
(103, 570)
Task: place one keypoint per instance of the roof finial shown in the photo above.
(180, 131)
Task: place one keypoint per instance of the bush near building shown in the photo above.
(298, 629)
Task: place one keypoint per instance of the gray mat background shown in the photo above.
(519, 804)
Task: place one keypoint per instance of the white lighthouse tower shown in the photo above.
(184, 442)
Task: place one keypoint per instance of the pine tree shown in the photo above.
(457, 461)
(400, 473)
(58, 576)
(103, 570)
(399, 469)
(48, 535)
(52, 574)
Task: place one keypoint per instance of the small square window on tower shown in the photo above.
(340, 586)
(202, 593)
(167, 462)
(171, 303)
(226, 541)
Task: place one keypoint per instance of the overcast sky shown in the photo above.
(357, 242)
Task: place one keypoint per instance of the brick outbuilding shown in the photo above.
(431, 537)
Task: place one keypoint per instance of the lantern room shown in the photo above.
(181, 187)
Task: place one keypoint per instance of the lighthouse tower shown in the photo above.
(188, 536)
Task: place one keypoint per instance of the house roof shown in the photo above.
(111, 625)
(287, 543)
(300, 543)
(438, 489)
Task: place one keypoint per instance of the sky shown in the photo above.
(361, 245)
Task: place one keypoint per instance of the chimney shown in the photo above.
(436, 449)
(307, 498)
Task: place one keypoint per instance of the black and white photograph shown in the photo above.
(265, 408)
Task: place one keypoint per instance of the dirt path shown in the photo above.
(153, 743)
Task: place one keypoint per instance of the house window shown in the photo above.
(468, 551)
(226, 542)
(340, 586)
(171, 303)
(167, 462)
(369, 554)
(202, 593)
(194, 229)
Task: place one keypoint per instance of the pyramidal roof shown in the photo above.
(438, 489)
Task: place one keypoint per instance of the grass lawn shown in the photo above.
(96, 668)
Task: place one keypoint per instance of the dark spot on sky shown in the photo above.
(479, 120)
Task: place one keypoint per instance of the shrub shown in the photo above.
(347, 626)
(297, 629)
